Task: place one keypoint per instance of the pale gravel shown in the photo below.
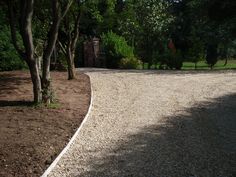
(156, 123)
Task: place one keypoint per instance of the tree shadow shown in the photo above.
(6, 103)
(201, 142)
(10, 84)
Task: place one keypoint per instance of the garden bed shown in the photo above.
(32, 136)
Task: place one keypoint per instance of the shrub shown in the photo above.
(9, 59)
(171, 60)
(115, 48)
(129, 63)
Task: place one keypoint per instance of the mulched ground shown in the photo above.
(32, 137)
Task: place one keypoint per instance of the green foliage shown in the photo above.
(98, 17)
(9, 59)
(115, 48)
(172, 60)
(154, 22)
(129, 63)
(196, 51)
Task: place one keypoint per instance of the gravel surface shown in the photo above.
(156, 123)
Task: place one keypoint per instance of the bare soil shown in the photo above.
(32, 137)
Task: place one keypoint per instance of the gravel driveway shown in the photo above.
(156, 123)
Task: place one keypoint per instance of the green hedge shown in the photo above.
(115, 48)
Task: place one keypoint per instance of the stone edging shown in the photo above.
(53, 164)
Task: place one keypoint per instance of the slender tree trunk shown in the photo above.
(71, 65)
(71, 44)
(36, 80)
(195, 65)
(25, 26)
(149, 65)
(70, 62)
(53, 33)
(46, 78)
(226, 61)
(57, 17)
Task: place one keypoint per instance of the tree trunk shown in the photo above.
(53, 33)
(71, 66)
(36, 81)
(58, 15)
(195, 65)
(26, 33)
(71, 71)
(226, 61)
(25, 26)
(149, 65)
(71, 45)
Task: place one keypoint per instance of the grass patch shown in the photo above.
(201, 65)
(55, 105)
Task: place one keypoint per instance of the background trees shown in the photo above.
(199, 30)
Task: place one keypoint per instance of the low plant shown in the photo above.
(129, 63)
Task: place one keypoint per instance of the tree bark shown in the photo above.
(36, 80)
(71, 44)
(46, 82)
(52, 38)
(71, 67)
(25, 24)
(226, 61)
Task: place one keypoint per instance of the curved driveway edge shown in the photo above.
(148, 123)
(54, 163)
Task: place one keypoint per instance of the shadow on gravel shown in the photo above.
(198, 143)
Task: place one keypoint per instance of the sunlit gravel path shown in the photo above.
(156, 123)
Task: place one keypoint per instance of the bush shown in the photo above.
(129, 63)
(171, 60)
(9, 59)
(115, 48)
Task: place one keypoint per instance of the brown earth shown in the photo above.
(32, 137)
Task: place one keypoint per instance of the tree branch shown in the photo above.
(66, 9)
(12, 20)
(62, 47)
(76, 29)
(27, 7)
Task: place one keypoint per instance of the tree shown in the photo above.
(41, 87)
(57, 15)
(154, 22)
(212, 22)
(70, 31)
(25, 28)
